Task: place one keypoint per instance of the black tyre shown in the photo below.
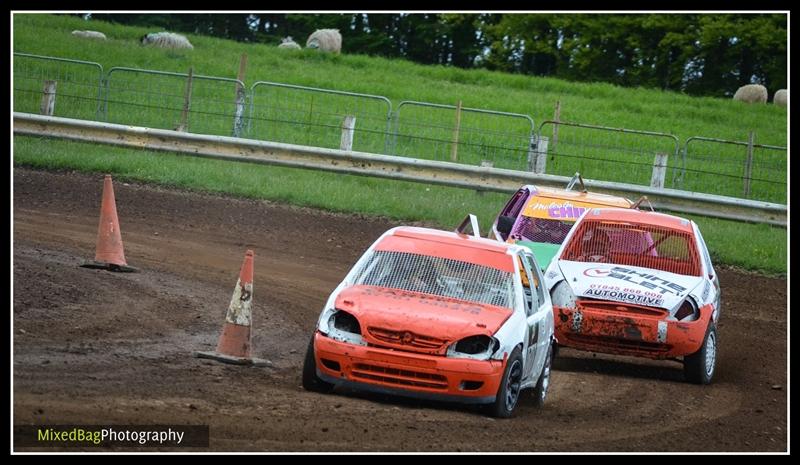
(540, 391)
(507, 399)
(312, 382)
(700, 366)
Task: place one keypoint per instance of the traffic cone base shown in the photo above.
(257, 362)
(109, 266)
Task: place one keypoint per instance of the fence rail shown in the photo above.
(384, 166)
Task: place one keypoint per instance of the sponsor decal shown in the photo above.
(625, 296)
(647, 280)
(706, 289)
(556, 210)
(597, 272)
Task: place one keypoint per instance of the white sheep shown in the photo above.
(166, 40)
(327, 40)
(780, 97)
(287, 42)
(89, 34)
(751, 93)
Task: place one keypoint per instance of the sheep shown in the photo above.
(89, 34)
(751, 93)
(780, 97)
(327, 40)
(166, 40)
(287, 42)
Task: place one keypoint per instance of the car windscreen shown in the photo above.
(437, 276)
(633, 244)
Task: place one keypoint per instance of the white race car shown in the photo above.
(637, 283)
(437, 315)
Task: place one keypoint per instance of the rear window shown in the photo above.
(437, 276)
(541, 230)
(632, 244)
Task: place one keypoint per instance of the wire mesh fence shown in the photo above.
(318, 117)
(76, 92)
(610, 154)
(166, 100)
(367, 123)
(464, 135)
(735, 168)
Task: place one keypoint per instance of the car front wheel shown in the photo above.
(508, 394)
(312, 382)
(700, 366)
(540, 392)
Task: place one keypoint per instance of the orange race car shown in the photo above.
(437, 315)
(637, 283)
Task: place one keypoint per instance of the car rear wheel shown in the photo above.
(312, 382)
(508, 394)
(700, 366)
(540, 392)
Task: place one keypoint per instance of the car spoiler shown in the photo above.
(575, 179)
(641, 200)
(472, 221)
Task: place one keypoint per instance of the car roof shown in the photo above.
(639, 216)
(449, 245)
(452, 238)
(589, 197)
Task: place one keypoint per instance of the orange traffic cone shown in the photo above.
(234, 344)
(109, 254)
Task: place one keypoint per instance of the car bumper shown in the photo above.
(600, 330)
(407, 374)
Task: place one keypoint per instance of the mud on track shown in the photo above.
(93, 347)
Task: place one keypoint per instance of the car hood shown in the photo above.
(440, 317)
(628, 284)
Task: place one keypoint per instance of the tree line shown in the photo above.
(699, 54)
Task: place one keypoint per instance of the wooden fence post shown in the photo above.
(748, 166)
(348, 128)
(183, 126)
(557, 119)
(238, 117)
(659, 170)
(48, 98)
(454, 149)
(540, 156)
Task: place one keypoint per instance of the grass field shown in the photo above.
(750, 246)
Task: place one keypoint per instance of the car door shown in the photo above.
(539, 316)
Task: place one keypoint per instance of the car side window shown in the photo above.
(533, 289)
(537, 281)
(706, 257)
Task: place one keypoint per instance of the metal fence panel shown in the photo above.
(471, 136)
(315, 117)
(78, 85)
(609, 154)
(156, 99)
(718, 166)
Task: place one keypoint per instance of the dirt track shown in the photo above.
(93, 347)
